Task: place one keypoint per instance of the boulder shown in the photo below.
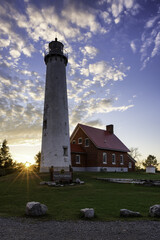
(78, 180)
(42, 183)
(88, 212)
(36, 209)
(51, 184)
(154, 211)
(129, 213)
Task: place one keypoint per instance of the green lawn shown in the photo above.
(64, 203)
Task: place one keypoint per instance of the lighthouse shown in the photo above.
(55, 133)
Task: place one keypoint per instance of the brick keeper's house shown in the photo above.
(93, 149)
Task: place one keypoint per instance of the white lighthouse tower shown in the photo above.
(55, 136)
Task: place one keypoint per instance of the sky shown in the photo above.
(113, 71)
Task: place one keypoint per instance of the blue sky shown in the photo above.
(113, 73)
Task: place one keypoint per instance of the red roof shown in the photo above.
(103, 139)
(77, 148)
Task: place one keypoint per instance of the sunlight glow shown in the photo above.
(27, 164)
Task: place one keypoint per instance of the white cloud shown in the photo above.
(15, 53)
(13, 39)
(156, 49)
(87, 83)
(147, 42)
(150, 40)
(128, 3)
(95, 123)
(89, 51)
(5, 80)
(103, 72)
(4, 43)
(133, 46)
(84, 71)
(145, 61)
(151, 22)
(106, 17)
(118, 8)
(89, 93)
(28, 50)
(26, 72)
(82, 17)
(87, 108)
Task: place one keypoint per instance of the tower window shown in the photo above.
(65, 151)
(45, 124)
(74, 142)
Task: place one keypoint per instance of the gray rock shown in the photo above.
(129, 213)
(36, 209)
(88, 212)
(78, 180)
(81, 182)
(42, 183)
(154, 210)
(52, 184)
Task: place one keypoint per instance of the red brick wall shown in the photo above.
(82, 160)
(109, 158)
(91, 159)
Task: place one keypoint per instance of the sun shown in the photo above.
(27, 164)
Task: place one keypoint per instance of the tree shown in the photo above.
(151, 160)
(135, 154)
(38, 159)
(6, 160)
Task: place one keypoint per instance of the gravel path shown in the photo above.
(19, 229)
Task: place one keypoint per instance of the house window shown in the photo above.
(65, 151)
(78, 159)
(86, 142)
(79, 140)
(74, 142)
(105, 158)
(130, 165)
(121, 160)
(113, 158)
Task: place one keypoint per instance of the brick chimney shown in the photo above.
(110, 128)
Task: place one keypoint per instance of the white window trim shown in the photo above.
(85, 142)
(130, 165)
(79, 142)
(104, 153)
(122, 163)
(114, 163)
(74, 142)
(78, 162)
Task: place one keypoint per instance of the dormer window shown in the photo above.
(86, 142)
(79, 140)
